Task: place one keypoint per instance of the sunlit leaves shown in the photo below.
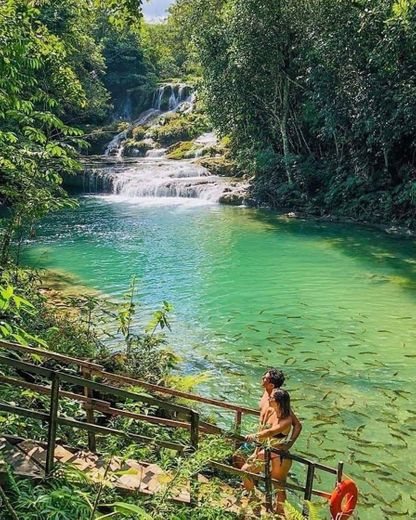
(12, 308)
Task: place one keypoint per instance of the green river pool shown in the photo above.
(333, 305)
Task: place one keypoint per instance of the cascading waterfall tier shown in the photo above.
(156, 178)
(115, 146)
(167, 98)
(171, 97)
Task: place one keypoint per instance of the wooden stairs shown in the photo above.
(28, 460)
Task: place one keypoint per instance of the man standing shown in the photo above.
(273, 379)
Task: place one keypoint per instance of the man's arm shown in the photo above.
(263, 406)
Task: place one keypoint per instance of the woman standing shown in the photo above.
(277, 428)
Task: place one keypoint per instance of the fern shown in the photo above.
(292, 513)
(313, 513)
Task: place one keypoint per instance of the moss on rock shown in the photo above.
(219, 166)
(181, 150)
(134, 148)
(138, 133)
(180, 127)
(98, 138)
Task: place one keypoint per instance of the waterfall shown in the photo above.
(156, 152)
(172, 100)
(156, 180)
(177, 101)
(164, 179)
(157, 98)
(115, 146)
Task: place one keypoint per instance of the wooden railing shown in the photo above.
(94, 369)
(182, 416)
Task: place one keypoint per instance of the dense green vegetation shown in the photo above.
(318, 98)
(314, 100)
(65, 69)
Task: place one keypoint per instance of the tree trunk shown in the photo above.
(283, 128)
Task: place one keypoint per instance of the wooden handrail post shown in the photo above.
(53, 422)
(194, 484)
(194, 416)
(237, 421)
(92, 443)
(268, 480)
(308, 488)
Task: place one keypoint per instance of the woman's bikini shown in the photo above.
(277, 439)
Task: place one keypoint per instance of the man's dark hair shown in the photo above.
(276, 377)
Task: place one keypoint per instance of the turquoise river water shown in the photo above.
(333, 305)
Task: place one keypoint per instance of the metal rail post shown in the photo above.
(53, 417)
(237, 421)
(268, 480)
(308, 488)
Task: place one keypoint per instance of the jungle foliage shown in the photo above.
(318, 97)
(66, 68)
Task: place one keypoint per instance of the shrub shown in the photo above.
(138, 133)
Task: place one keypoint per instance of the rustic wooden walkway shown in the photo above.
(37, 460)
(28, 460)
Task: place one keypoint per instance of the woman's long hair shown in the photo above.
(282, 397)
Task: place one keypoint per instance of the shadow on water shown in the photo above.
(375, 249)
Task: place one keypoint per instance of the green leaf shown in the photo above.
(128, 509)
(7, 293)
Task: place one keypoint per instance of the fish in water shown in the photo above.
(391, 512)
(380, 498)
(272, 340)
(401, 392)
(251, 327)
(290, 359)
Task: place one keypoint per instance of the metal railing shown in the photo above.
(184, 417)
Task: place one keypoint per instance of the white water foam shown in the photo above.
(163, 181)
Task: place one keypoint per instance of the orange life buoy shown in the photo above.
(343, 500)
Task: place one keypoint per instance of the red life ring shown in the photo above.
(343, 500)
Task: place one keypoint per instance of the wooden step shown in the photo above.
(21, 463)
(28, 459)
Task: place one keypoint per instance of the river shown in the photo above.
(333, 305)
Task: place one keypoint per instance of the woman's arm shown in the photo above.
(297, 428)
(277, 427)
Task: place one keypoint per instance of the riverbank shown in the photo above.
(399, 231)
